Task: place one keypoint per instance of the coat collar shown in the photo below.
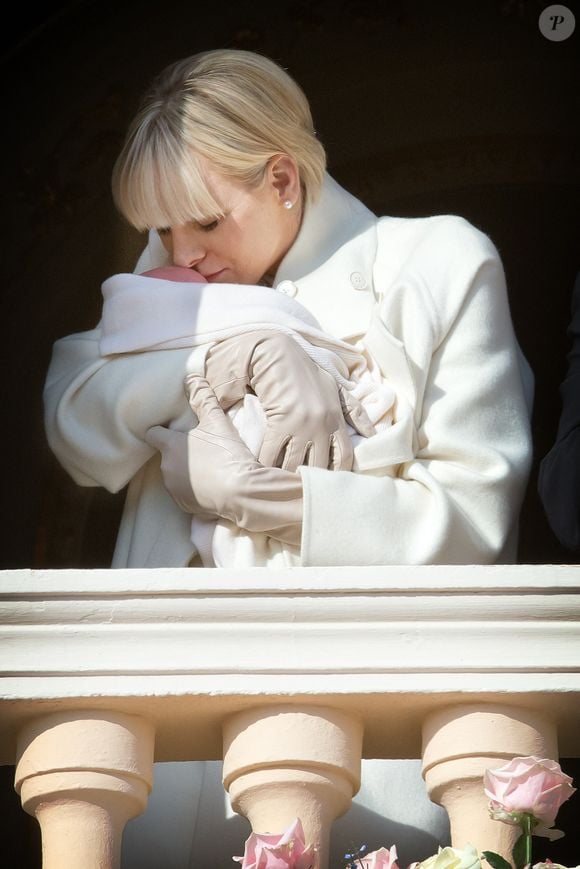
(337, 240)
(329, 223)
(332, 260)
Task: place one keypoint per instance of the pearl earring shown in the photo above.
(288, 204)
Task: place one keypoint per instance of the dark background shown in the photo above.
(424, 107)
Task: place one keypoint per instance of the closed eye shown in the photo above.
(164, 231)
(208, 227)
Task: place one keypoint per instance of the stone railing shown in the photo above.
(291, 676)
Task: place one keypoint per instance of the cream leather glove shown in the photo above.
(210, 472)
(305, 408)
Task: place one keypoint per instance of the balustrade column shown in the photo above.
(84, 775)
(459, 744)
(287, 762)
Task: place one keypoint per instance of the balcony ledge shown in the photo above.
(187, 648)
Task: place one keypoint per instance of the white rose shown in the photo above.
(453, 858)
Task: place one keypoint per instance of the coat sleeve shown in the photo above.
(458, 499)
(98, 409)
(559, 477)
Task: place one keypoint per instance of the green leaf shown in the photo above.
(495, 860)
(519, 852)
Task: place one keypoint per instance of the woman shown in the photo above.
(223, 167)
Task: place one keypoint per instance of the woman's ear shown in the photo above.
(284, 177)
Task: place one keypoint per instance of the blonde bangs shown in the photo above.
(157, 183)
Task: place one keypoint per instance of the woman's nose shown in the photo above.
(186, 249)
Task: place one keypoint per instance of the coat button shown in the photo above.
(289, 288)
(358, 281)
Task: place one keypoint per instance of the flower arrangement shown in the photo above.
(527, 792)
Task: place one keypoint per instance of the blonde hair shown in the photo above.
(234, 109)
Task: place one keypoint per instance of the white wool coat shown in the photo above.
(429, 297)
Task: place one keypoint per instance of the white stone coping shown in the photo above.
(186, 647)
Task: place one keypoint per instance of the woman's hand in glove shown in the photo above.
(304, 407)
(210, 472)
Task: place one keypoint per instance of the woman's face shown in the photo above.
(249, 241)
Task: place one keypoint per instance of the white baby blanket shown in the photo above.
(142, 314)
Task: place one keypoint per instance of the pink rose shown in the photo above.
(547, 864)
(531, 785)
(286, 850)
(381, 859)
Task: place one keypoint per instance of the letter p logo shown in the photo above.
(557, 23)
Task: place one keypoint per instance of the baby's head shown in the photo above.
(175, 273)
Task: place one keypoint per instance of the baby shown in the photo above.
(174, 308)
(176, 273)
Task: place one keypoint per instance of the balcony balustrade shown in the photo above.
(291, 676)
